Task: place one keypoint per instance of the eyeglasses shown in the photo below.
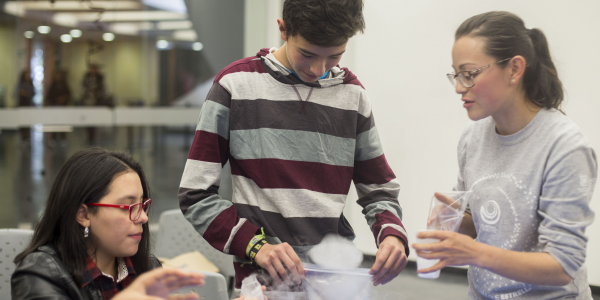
(466, 77)
(135, 210)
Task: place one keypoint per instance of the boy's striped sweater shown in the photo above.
(294, 149)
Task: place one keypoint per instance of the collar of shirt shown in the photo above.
(92, 272)
(320, 78)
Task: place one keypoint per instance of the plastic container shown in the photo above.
(328, 284)
(423, 263)
(447, 212)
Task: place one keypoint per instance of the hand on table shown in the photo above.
(273, 258)
(390, 260)
(158, 283)
(454, 249)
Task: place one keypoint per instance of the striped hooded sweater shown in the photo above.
(294, 149)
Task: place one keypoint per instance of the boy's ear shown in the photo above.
(82, 216)
(282, 30)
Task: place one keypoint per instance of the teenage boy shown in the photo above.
(297, 130)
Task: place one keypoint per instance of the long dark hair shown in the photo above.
(506, 36)
(84, 178)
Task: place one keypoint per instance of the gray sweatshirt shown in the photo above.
(530, 193)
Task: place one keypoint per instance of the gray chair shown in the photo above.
(12, 242)
(214, 288)
(177, 236)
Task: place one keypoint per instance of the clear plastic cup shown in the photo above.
(423, 263)
(447, 213)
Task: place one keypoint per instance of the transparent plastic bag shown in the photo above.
(251, 288)
(283, 295)
(328, 284)
(446, 210)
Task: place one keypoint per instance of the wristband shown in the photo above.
(256, 239)
(255, 249)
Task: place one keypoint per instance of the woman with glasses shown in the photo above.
(92, 241)
(530, 170)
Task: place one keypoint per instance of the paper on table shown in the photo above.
(191, 261)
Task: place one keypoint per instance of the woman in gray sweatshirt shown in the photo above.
(530, 170)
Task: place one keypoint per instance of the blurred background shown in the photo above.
(131, 75)
(124, 75)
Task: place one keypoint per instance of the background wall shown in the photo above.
(9, 74)
(402, 60)
(220, 27)
(260, 25)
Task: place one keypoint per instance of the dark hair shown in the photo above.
(506, 36)
(84, 178)
(323, 23)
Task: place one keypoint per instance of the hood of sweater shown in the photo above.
(335, 76)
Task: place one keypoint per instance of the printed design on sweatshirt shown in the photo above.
(504, 210)
(490, 212)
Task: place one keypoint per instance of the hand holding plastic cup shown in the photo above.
(446, 212)
(423, 263)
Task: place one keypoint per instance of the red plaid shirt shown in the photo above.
(108, 286)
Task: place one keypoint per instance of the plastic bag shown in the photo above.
(251, 288)
(447, 210)
(327, 284)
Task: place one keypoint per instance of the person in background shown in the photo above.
(59, 94)
(529, 169)
(297, 130)
(24, 93)
(93, 94)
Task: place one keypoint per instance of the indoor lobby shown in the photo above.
(133, 76)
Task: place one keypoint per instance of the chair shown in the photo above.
(214, 287)
(177, 236)
(12, 242)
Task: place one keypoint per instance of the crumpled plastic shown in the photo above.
(335, 275)
(251, 288)
(447, 211)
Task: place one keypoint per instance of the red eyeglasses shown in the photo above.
(134, 209)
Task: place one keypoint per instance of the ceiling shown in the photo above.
(159, 18)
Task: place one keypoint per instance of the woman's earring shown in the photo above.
(86, 232)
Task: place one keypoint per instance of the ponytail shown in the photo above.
(541, 82)
(506, 36)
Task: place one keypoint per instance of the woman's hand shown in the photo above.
(454, 249)
(159, 283)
